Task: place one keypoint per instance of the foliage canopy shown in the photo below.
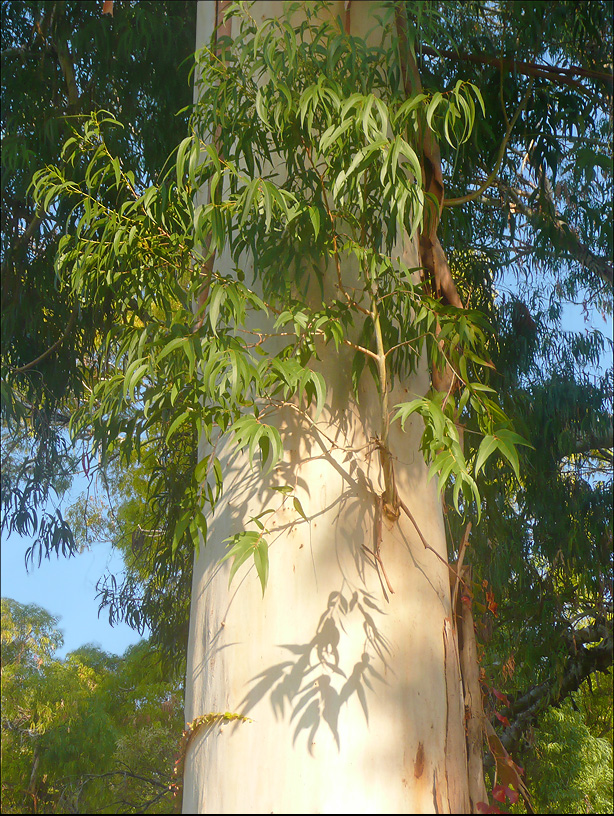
(91, 733)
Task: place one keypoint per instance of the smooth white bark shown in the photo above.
(355, 702)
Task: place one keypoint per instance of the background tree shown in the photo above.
(524, 201)
(570, 760)
(91, 733)
(60, 61)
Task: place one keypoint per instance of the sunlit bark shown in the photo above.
(348, 668)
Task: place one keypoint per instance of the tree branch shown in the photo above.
(599, 266)
(562, 76)
(45, 354)
(582, 662)
(594, 442)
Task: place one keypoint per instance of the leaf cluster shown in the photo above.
(60, 62)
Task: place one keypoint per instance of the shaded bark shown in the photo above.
(474, 711)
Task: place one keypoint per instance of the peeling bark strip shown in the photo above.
(474, 712)
(456, 749)
(436, 270)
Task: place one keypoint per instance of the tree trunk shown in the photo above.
(346, 673)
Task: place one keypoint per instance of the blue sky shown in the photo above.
(66, 587)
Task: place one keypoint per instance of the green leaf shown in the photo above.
(242, 546)
(314, 215)
(134, 373)
(408, 106)
(181, 157)
(443, 464)
(261, 561)
(249, 194)
(171, 346)
(248, 431)
(432, 107)
(201, 470)
(320, 389)
(268, 204)
(332, 134)
(276, 447)
(512, 438)
(414, 162)
(177, 422)
(299, 508)
(487, 446)
(216, 299)
(511, 454)
(406, 409)
(180, 529)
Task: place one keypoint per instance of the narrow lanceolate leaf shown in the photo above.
(181, 157)
(444, 464)
(433, 105)
(135, 373)
(249, 194)
(320, 388)
(176, 423)
(261, 562)
(218, 296)
(299, 508)
(180, 529)
(275, 451)
(314, 215)
(171, 346)
(250, 432)
(244, 545)
(511, 454)
(406, 409)
(487, 446)
(507, 440)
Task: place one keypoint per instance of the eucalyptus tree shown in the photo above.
(333, 128)
(360, 213)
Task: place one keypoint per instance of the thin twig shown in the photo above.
(50, 350)
(427, 546)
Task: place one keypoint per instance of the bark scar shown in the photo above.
(419, 761)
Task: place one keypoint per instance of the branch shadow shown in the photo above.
(304, 686)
